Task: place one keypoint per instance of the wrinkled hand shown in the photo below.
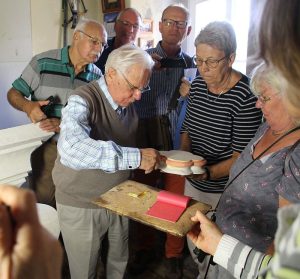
(150, 159)
(34, 112)
(50, 125)
(184, 88)
(205, 234)
(27, 250)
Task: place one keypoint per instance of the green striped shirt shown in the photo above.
(51, 73)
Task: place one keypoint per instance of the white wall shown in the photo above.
(15, 52)
(28, 27)
(47, 20)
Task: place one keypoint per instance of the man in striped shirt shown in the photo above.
(158, 118)
(55, 73)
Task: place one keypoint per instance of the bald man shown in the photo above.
(127, 25)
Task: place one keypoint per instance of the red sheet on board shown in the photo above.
(168, 206)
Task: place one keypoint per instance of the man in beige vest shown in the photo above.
(96, 152)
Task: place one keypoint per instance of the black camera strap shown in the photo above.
(260, 155)
(174, 99)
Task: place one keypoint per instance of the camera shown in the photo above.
(199, 254)
(172, 63)
(47, 109)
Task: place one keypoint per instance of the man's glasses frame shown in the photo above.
(94, 41)
(210, 63)
(126, 23)
(133, 87)
(171, 22)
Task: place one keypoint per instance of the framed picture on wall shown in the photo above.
(109, 23)
(145, 43)
(110, 6)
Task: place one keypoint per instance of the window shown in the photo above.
(236, 12)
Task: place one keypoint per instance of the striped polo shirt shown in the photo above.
(51, 73)
(220, 124)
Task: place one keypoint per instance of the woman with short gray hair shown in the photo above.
(221, 116)
(220, 35)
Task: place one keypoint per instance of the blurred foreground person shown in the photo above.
(248, 262)
(27, 250)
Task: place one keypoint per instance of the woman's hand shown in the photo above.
(205, 234)
(184, 88)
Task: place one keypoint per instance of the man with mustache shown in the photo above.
(55, 73)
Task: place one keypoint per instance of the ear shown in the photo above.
(110, 75)
(189, 30)
(75, 36)
(160, 24)
(231, 59)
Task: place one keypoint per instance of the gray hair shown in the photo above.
(220, 35)
(126, 56)
(178, 5)
(266, 73)
(83, 22)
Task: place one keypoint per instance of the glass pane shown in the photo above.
(236, 12)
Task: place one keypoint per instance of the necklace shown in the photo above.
(223, 90)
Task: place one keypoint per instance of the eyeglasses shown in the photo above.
(133, 87)
(263, 99)
(95, 41)
(129, 25)
(170, 22)
(210, 63)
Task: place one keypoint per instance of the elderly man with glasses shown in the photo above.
(96, 152)
(53, 75)
(127, 25)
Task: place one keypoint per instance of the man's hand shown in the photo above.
(33, 110)
(205, 234)
(150, 159)
(50, 125)
(156, 58)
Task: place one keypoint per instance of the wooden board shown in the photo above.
(133, 199)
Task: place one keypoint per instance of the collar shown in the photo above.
(102, 84)
(65, 55)
(161, 52)
(65, 58)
